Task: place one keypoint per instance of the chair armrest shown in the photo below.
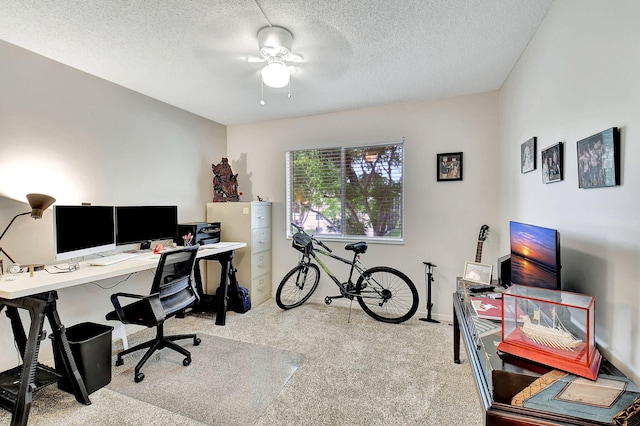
(153, 301)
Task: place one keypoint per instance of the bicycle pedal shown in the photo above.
(329, 299)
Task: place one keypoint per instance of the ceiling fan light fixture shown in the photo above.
(276, 73)
(275, 41)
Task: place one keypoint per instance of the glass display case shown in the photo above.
(516, 390)
(554, 328)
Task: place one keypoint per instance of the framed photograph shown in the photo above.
(528, 156)
(552, 163)
(477, 273)
(599, 160)
(449, 166)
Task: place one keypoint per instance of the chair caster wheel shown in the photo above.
(196, 341)
(186, 361)
(327, 301)
(119, 362)
(139, 377)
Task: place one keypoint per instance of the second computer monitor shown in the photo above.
(141, 224)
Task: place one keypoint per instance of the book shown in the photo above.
(487, 308)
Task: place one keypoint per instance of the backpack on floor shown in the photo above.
(238, 300)
(242, 302)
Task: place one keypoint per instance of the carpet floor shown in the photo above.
(361, 372)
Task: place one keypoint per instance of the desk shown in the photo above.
(499, 377)
(38, 295)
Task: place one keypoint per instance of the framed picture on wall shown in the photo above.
(599, 159)
(449, 166)
(552, 163)
(528, 156)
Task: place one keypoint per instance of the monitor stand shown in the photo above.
(145, 245)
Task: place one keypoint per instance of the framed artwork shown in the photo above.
(552, 164)
(477, 273)
(528, 156)
(599, 159)
(449, 166)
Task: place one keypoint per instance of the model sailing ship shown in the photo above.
(553, 335)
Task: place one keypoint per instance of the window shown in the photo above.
(347, 192)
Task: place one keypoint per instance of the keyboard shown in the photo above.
(110, 260)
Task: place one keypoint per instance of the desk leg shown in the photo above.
(456, 337)
(198, 278)
(29, 358)
(227, 277)
(40, 306)
(226, 266)
(18, 330)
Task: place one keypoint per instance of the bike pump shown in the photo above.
(428, 278)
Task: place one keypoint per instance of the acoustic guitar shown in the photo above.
(482, 236)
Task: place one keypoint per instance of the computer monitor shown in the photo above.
(82, 230)
(141, 224)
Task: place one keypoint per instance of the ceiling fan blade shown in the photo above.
(294, 57)
(255, 59)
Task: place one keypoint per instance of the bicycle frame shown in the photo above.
(345, 291)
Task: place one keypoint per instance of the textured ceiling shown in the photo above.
(357, 53)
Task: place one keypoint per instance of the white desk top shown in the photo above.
(42, 281)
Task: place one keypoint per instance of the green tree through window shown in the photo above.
(345, 192)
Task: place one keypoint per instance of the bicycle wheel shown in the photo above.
(387, 294)
(297, 286)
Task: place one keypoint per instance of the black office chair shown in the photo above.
(172, 292)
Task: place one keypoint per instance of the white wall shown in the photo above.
(579, 76)
(442, 219)
(81, 139)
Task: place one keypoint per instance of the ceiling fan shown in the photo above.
(275, 45)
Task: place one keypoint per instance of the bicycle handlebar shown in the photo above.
(314, 239)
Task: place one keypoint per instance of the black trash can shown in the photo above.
(91, 348)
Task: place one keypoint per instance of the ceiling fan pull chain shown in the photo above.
(262, 102)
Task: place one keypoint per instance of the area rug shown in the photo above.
(228, 382)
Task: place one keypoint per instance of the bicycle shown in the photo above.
(384, 293)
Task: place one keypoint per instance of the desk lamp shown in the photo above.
(39, 203)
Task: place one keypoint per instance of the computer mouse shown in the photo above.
(11, 278)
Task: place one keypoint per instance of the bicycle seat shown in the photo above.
(359, 247)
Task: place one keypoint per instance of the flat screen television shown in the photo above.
(82, 230)
(535, 256)
(141, 224)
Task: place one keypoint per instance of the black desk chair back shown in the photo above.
(172, 292)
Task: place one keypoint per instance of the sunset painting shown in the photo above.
(534, 256)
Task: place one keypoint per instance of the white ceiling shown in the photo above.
(357, 53)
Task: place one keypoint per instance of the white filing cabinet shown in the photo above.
(249, 223)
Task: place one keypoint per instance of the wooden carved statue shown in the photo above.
(225, 183)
